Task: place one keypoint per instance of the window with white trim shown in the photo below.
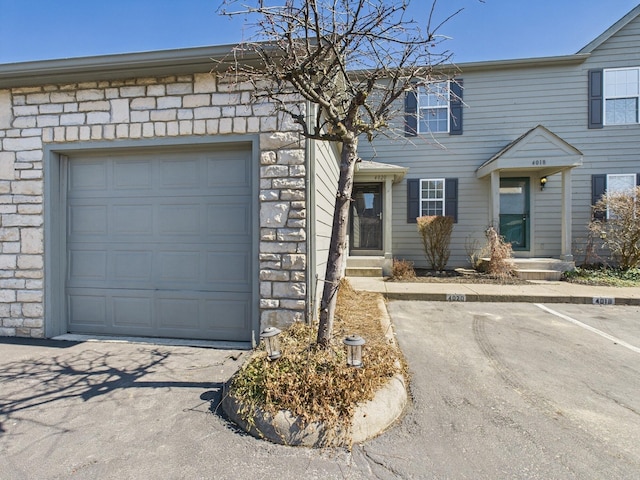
(432, 197)
(620, 183)
(621, 96)
(433, 108)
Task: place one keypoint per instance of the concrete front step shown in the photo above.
(364, 272)
(533, 274)
(542, 264)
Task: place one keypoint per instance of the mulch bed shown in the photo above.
(459, 275)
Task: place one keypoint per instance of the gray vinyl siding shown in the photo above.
(501, 105)
(325, 184)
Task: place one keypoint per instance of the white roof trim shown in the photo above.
(370, 170)
(520, 156)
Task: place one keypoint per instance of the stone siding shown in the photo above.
(144, 108)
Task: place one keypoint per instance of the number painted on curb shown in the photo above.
(456, 297)
(604, 301)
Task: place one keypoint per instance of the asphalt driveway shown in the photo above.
(131, 411)
(517, 391)
(499, 391)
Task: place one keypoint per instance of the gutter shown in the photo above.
(121, 66)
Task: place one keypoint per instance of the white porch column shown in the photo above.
(494, 214)
(565, 248)
(387, 223)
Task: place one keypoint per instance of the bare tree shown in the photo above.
(617, 226)
(355, 60)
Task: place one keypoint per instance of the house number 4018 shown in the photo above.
(538, 162)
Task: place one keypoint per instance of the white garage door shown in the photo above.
(159, 244)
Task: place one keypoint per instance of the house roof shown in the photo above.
(201, 60)
(369, 168)
(611, 31)
(538, 149)
(118, 66)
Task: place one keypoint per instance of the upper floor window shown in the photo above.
(433, 108)
(621, 96)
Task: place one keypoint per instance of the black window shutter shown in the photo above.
(413, 200)
(596, 98)
(451, 198)
(598, 188)
(638, 179)
(455, 105)
(411, 114)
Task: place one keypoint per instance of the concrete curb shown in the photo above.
(370, 419)
(442, 297)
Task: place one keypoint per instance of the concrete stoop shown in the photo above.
(532, 274)
(364, 272)
(549, 269)
(370, 419)
(541, 268)
(367, 266)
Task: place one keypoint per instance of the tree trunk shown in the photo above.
(338, 245)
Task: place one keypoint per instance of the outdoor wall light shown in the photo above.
(271, 342)
(354, 345)
(543, 182)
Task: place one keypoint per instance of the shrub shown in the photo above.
(620, 232)
(402, 270)
(499, 254)
(435, 232)
(475, 252)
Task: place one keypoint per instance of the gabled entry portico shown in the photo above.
(515, 172)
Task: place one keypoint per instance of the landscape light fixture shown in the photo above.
(271, 342)
(543, 182)
(354, 345)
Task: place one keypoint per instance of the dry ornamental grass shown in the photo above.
(316, 384)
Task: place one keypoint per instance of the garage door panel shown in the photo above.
(132, 219)
(88, 310)
(166, 314)
(128, 266)
(88, 220)
(133, 311)
(234, 177)
(180, 174)
(224, 313)
(179, 313)
(225, 268)
(132, 175)
(180, 267)
(228, 269)
(161, 245)
(183, 220)
(89, 177)
(232, 220)
(88, 266)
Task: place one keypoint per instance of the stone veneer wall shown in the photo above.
(144, 108)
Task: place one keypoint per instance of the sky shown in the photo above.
(483, 30)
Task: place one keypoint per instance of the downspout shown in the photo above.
(311, 269)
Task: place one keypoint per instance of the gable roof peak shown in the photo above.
(611, 31)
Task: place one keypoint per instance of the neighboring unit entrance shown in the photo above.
(160, 244)
(366, 218)
(514, 212)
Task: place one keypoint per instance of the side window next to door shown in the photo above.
(438, 196)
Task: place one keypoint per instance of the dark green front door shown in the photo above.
(514, 212)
